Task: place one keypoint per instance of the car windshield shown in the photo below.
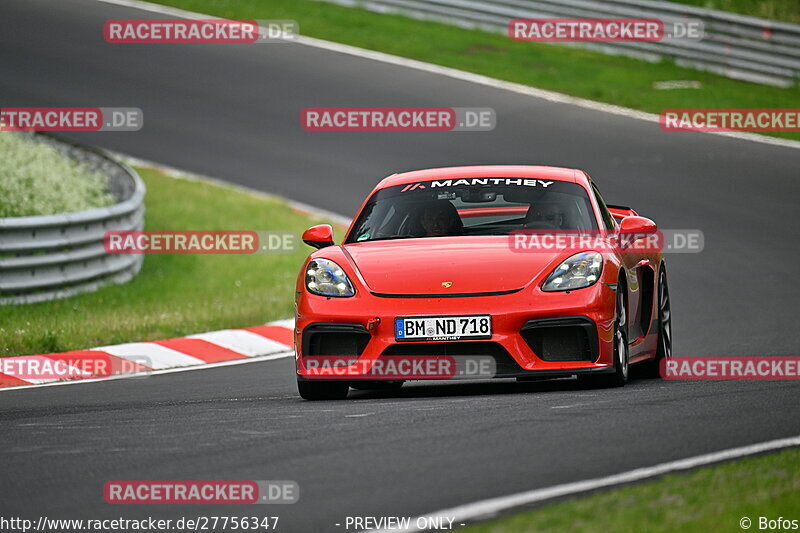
(476, 206)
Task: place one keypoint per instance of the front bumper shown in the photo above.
(534, 333)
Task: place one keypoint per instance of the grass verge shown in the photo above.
(174, 295)
(709, 499)
(37, 179)
(611, 79)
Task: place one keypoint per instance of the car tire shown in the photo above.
(322, 390)
(377, 385)
(621, 351)
(664, 350)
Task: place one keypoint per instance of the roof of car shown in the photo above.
(486, 171)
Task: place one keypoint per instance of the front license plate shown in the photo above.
(442, 328)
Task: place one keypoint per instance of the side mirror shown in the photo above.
(319, 236)
(637, 225)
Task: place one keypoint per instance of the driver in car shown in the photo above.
(545, 216)
(440, 219)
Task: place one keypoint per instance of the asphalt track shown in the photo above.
(233, 112)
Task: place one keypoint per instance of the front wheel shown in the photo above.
(621, 352)
(664, 349)
(322, 389)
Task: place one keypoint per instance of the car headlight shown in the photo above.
(576, 272)
(326, 278)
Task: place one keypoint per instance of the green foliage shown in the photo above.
(38, 179)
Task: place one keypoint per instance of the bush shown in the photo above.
(37, 179)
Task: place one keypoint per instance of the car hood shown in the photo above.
(470, 264)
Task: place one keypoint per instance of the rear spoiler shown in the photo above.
(621, 211)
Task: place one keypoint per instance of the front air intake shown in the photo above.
(335, 339)
(562, 339)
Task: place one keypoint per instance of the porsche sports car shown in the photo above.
(437, 264)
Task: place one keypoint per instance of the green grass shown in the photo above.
(783, 10)
(38, 179)
(612, 79)
(174, 295)
(709, 499)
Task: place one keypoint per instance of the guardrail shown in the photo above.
(55, 256)
(736, 46)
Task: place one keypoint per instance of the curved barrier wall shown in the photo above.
(55, 256)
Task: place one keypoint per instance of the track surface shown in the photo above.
(233, 112)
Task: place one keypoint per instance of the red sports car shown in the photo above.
(522, 266)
